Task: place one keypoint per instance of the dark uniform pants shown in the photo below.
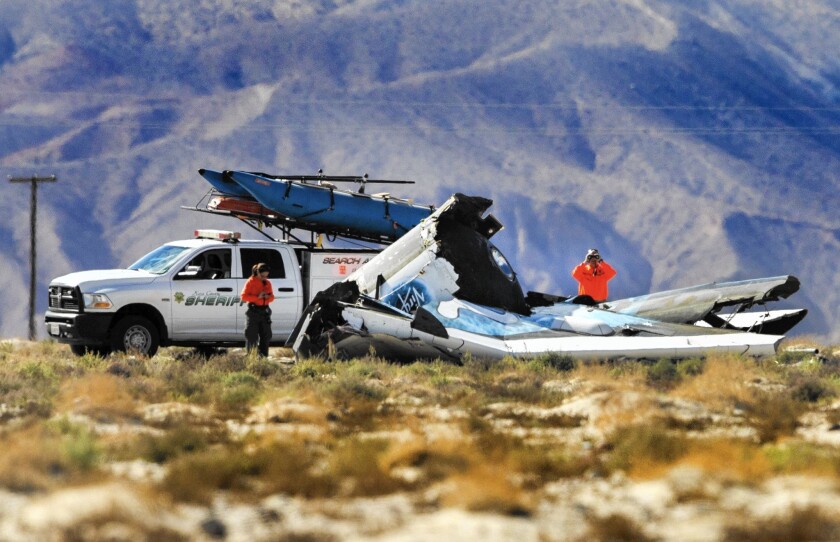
(258, 329)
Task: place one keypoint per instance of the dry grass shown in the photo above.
(481, 436)
(645, 449)
(616, 527)
(729, 460)
(808, 524)
(611, 376)
(723, 384)
(103, 397)
(421, 462)
(31, 459)
(42, 456)
(487, 488)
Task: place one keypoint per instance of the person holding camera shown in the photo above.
(258, 293)
(592, 275)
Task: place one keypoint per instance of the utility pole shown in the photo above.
(33, 218)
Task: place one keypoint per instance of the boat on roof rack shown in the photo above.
(312, 203)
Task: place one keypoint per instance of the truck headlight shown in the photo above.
(97, 301)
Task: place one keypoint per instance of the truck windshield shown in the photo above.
(159, 260)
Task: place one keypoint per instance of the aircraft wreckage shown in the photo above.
(443, 290)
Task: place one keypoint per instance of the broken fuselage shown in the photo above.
(444, 290)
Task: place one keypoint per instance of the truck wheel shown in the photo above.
(135, 334)
(82, 349)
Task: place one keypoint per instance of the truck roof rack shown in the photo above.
(260, 218)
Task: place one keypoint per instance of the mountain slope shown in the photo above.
(689, 142)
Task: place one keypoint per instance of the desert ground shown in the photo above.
(228, 446)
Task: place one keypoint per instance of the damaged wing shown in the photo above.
(703, 304)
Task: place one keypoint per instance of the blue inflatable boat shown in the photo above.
(316, 204)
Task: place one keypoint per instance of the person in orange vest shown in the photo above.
(258, 293)
(592, 275)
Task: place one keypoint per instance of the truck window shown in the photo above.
(159, 260)
(209, 265)
(253, 256)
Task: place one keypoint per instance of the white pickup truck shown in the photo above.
(186, 293)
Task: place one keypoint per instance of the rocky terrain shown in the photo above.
(689, 141)
(184, 447)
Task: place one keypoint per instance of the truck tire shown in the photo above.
(82, 349)
(135, 334)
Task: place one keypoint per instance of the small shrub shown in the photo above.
(534, 463)
(690, 367)
(357, 466)
(366, 368)
(434, 461)
(201, 384)
(313, 368)
(121, 365)
(262, 367)
(293, 468)
(545, 463)
(196, 477)
(350, 388)
(639, 448)
(615, 527)
(225, 363)
(254, 468)
(531, 419)
(809, 523)
(32, 458)
(92, 361)
(48, 348)
(810, 388)
(240, 378)
(487, 488)
(803, 458)
(38, 370)
(618, 370)
(521, 386)
(103, 397)
(131, 527)
(440, 381)
(773, 414)
(728, 459)
(6, 349)
(237, 399)
(663, 373)
(473, 362)
(81, 449)
(559, 362)
(510, 364)
(30, 397)
(305, 372)
(723, 383)
(175, 442)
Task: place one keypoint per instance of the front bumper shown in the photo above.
(75, 328)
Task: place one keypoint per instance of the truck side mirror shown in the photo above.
(189, 272)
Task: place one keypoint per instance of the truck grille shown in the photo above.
(64, 298)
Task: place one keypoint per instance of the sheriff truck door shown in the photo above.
(205, 298)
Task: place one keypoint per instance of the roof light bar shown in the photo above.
(219, 235)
